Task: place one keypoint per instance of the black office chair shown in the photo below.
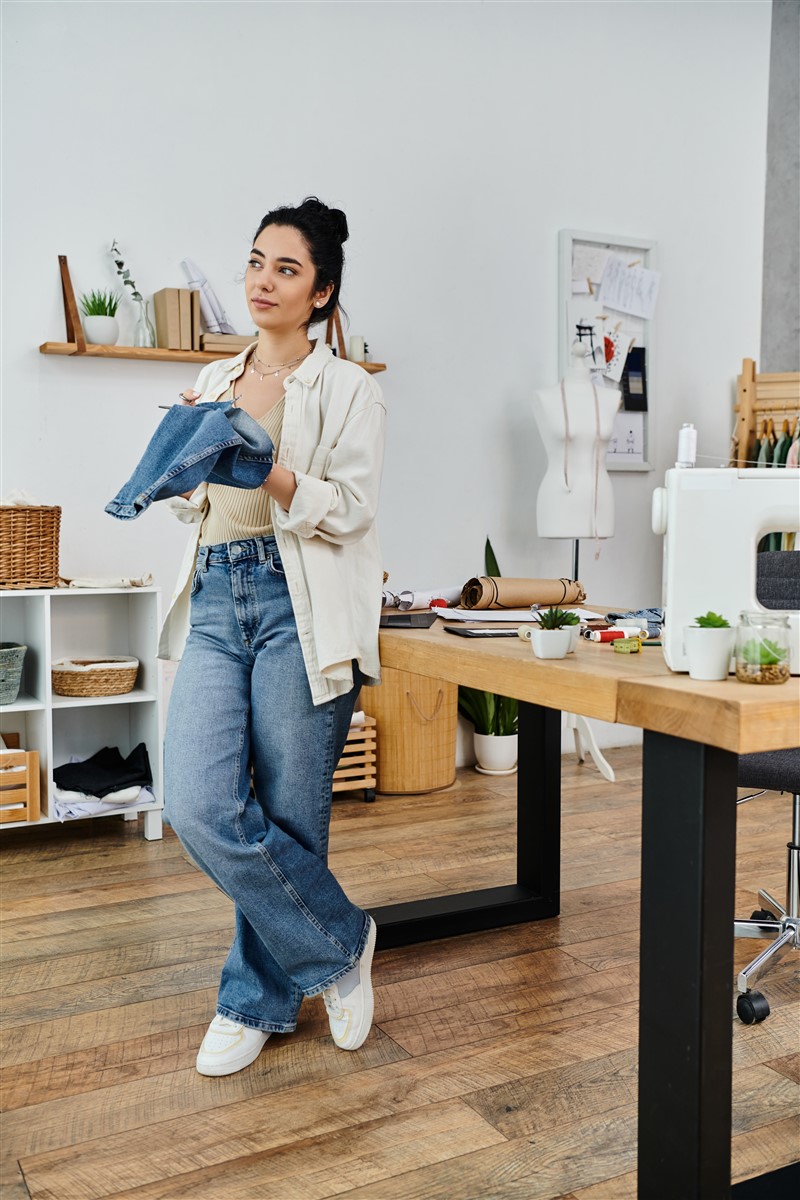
(779, 771)
(778, 587)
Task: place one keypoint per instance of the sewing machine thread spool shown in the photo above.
(687, 446)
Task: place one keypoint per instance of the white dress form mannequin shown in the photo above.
(576, 421)
(575, 498)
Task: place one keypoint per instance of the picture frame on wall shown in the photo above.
(597, 271)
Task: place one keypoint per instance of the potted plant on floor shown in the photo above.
(495, 718)
(100, 317)
(709, 646)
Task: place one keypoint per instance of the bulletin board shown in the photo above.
(595, 271)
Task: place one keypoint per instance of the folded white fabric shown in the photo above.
(120, 797)
(89, 806)
(107, 581)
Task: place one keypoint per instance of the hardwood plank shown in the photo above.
(72, 899)
(764, 1149)
(788, 1065)
(61, 971)
(603, 953)
(174, 1124)
(537, 1168)
(334, 1164)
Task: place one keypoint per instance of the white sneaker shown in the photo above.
(228, 1047)
(349, 1003)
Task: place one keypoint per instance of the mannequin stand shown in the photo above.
(581, 729)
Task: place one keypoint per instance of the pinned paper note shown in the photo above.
(627, 441)
(628, 288)
(588, 265)
(618, 342)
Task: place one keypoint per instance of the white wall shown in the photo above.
(459, 138)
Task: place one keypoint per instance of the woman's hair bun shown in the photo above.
(334, 217)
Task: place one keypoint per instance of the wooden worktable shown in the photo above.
(693, 733)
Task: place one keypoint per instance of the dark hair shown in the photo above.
(324, 231)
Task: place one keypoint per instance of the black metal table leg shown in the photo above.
(688, 873)
(535, 895)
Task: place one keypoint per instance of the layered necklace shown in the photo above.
(262, 369)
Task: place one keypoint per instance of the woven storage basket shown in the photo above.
(110, 676)
(29, 545)
(12, 656)
(416, 723)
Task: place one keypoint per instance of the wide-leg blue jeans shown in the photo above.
(241, 702)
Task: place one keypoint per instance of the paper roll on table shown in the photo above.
(487, 591)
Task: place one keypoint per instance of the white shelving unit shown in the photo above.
(85, 622)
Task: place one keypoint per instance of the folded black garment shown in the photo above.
(106, 771)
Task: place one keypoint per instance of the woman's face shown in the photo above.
(279, 282)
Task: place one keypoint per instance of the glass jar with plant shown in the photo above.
(99, 317)
(762, 647)
(495, 718)
(709, 646)
(143, 334)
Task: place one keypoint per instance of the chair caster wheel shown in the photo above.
(762, 914)
(752, 1007)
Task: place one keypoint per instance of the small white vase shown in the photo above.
(101, 331)
(708, 651)
(496, 754)
(552, 643)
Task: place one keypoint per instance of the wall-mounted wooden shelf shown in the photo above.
(156, 354)
(80, 348)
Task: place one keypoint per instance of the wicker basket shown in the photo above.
(12, 656)
(416, 724)
(110, 676)
(29, 545)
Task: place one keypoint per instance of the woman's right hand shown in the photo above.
(189, 396)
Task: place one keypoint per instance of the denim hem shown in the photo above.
(264, 1026)
(337, 975)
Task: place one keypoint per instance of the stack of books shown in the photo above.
(226, 343)
(177, 313)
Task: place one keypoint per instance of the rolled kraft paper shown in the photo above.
(489, 592)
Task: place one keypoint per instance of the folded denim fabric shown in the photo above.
(194, 444)
(653, 616)
(106, 771)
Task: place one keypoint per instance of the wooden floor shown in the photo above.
(501, 1064)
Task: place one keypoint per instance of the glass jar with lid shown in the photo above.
(762, 647)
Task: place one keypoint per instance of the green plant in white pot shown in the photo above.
(709, 646)
(495, 718)
(554, 635)
(100, 317)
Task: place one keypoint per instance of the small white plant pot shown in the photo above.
(496, 755)
(709, 651)
(101, 331)
(574, 638)
(552, 643)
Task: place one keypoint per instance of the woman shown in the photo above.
(284, 588)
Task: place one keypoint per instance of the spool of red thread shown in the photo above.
(607, 635)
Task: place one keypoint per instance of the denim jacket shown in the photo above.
(327, 539)
(204, 443)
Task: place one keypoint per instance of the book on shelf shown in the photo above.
(166, 306)
(195, 307)
(185, 310)
(226, 342)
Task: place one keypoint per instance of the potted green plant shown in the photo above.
(100, 317)
(709, 646)
(555, 634)
(495, 718)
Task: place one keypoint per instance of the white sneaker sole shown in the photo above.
(356, 1036)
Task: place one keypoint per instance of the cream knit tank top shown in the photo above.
(237, 513)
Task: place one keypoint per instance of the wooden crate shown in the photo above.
(356, 769)
(19, 785)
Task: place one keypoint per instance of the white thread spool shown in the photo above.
(687, 446)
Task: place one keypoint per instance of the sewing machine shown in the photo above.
(712, 520)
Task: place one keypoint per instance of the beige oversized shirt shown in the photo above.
(328, 539)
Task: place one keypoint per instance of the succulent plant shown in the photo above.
(100, 304)
(556, 618)
(712, 620)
